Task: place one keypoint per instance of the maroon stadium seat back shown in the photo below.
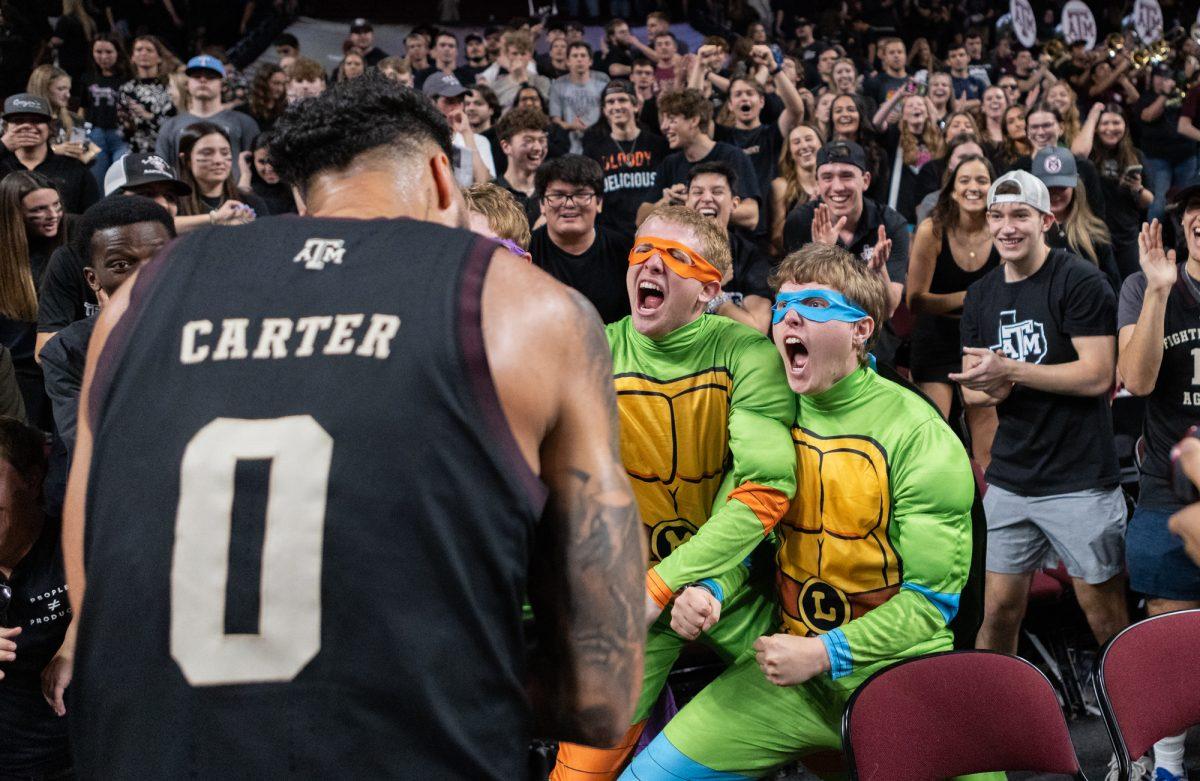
(1148, 683)
(956, 713)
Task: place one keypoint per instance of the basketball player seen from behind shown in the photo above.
(345, 466)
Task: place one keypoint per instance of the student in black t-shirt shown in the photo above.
(745, 293)
(1121, 167)
(523, 140)
(761, 141)
(629, 155)
(1038, 338)
(101, 94)
(570, 246)
(34, 615)
(686, 115)
(1157, 320)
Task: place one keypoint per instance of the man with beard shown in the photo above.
(394, 402)
(629, 154)
(523, 140)
(704, 407)
(686, 115)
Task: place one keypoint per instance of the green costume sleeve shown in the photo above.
(762, 473)
(931, 531)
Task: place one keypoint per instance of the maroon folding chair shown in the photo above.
(956, 713)
(1148, 683)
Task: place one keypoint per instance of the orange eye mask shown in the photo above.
(679, 258)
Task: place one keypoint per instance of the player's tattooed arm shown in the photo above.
(587, 579)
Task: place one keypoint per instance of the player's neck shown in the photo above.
(367, 195)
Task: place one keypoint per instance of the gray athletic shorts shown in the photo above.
(1085, 529)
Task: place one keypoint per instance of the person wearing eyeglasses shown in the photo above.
(571, 247)
(34, 614)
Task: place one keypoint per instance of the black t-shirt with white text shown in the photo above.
(1047, 443)
(1174, 404)
(598, 273)
(33, 740)
(630, 174)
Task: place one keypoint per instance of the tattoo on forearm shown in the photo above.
(592, 552)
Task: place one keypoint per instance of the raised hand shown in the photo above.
(824, 229)
(1158, 265)
(883, 251)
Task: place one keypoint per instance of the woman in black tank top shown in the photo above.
(951, 249)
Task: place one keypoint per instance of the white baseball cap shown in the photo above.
(1028, 189)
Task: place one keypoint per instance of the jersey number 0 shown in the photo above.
(300, 453)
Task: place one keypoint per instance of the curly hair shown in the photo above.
(328, 131)
(263, 107)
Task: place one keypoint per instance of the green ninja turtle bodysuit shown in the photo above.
(704, 418)
(873, 555)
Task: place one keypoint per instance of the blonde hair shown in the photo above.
(504, 215)
(836, 268)
(794, 193)
(930, 137)
(40, 80)
(179, 81)
(1083, 228)
(519, 40)
(1070, 118)
(713, 239)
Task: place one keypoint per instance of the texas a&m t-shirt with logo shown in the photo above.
(1047, 443)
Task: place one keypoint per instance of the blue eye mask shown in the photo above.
(835, 307)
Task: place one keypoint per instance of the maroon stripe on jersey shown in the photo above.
(479, 373)
(118, 337)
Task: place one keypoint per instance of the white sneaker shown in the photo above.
(1142, 769)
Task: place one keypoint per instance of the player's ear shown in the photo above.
(298, 196)
(443, 180)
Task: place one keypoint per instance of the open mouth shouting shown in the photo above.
(797, 354)
(650, 296)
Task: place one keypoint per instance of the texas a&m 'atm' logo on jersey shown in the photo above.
(318, 253)
(1023, 341)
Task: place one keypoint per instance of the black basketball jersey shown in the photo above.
(308, 521)
(1174, 404)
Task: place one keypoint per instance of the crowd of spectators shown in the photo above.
(878, 129)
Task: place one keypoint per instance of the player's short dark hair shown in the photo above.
(580, 45)
(286, 39)
(328, 131)
(23, 446)
(718, 167)
(575, 170)
(115, 211)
